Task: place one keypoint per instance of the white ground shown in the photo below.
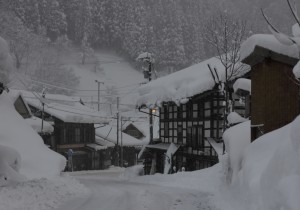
(109, 192)
(113, 71)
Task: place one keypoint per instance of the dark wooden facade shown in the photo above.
(76, 136)
(188, 126)
(73, 133)
(274, 92)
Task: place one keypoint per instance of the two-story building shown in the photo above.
(191, 113)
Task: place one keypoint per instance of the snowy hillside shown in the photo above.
(119, 78)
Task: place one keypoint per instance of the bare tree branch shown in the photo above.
(294, 12)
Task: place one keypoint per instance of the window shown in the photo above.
(77, 135)
(179, 134)
(166, 128)
(195, 137)
(63, 136)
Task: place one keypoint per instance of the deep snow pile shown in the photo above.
(37, 160)
(266, 173)
(40, 194)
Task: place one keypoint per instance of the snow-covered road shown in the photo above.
(108, 192)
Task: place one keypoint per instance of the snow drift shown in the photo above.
(267, 174)
(37, 160)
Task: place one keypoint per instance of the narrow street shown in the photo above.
(108, 192)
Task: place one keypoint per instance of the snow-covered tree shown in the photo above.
(5, 61)
(225, 34)
(22, 40)
(52, 18)
(286, 39)
(49, 69)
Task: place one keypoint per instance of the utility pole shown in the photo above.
(118, 158)
(98, 82)
(122, 162)
(43, 104)
(150, 110)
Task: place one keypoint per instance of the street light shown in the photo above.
(99, 93)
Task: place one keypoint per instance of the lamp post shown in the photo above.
(98, 82)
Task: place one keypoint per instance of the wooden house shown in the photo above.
(74, 129)
(274, 89)
(126, 148)
(23, 109)
(191, 110)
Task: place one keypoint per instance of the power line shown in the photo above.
(73, 89)
(39, 98)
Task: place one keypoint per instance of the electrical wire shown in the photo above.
(73, 89)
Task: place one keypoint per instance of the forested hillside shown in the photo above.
(170, 29)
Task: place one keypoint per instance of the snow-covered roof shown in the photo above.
(36, 124)
(109, 133)
(181, 85)
(161, 146)
(142, 126)
(65, 108)
(242, 84)
(15, 94)
(96, 147)
(270, 44)
(103, 142)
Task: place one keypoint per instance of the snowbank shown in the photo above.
(206, 180)
(132, 172)
(236, 139)
(40, 194)
(37, 160)
(269, 177)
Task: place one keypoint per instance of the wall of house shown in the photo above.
(275, 96)
(74, 133)
(189, 124)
